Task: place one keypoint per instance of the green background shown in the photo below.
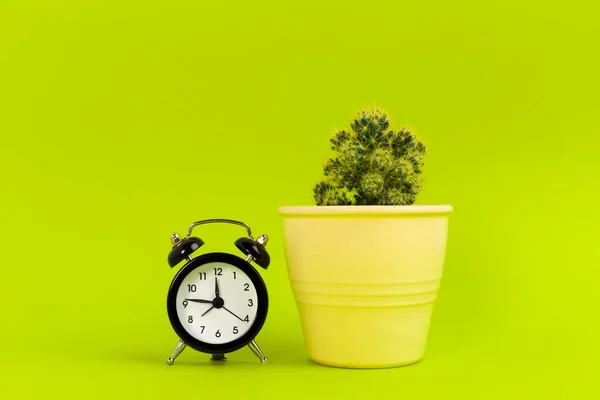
(124, 121)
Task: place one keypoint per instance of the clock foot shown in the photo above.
(218, 357)
(257, 351)
(178, 349)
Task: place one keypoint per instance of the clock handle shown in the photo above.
(219, 220)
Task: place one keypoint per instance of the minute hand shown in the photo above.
(199, 301)
(233, 314)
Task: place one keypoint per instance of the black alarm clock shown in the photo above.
(217, 302)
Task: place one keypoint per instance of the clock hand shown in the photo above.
(200, 301)
(233, 314)
(216, 288)
(207, 311)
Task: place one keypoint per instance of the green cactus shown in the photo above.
(374, 164)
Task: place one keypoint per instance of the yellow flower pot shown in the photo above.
(365, 280)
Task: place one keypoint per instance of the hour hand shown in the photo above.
(199, 301)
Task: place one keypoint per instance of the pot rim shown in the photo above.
(366, 210)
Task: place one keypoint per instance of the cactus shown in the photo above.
(375, 165)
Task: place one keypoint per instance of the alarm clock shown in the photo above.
(217, 302)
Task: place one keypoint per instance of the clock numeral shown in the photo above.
(246, 287)
(190, 319)
(234, 275)
(246, 319)
(250, 303)
(202, 331)
(202, 276)
(191, 288)
(235, 330)
(218, 334)
(219, 271)
(185, 303)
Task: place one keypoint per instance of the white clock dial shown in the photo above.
(216, 321)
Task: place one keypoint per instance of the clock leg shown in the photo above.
(257, 351)
(178, 349)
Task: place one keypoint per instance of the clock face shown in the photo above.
(216, 303)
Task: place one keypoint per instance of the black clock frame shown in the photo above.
(261, 306)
